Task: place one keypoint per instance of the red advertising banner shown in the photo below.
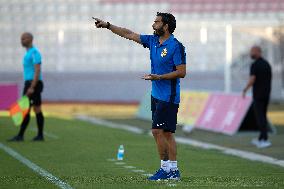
(224, 113)
(8, 95)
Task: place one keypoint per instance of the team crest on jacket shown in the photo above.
(164, 52)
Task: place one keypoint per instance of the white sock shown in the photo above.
(165, 165)
(173, 165)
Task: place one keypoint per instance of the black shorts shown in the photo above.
(164, 115)
(35, 99)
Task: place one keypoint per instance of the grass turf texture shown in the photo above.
(79, 156)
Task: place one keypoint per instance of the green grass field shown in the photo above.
(79, 157)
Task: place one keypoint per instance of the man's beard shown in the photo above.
(159, 32)
(253, 57)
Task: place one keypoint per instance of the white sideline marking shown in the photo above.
(110, 124)
(230, 151)
(239, 153)
(119, 163)
(50, 135)
(35, 167)
(172, 185)
(129, 167)
(138, 171)
(147, 174)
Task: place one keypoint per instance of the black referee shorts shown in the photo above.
(164, 115)
(35, 99)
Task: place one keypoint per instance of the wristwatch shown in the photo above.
(108, 25)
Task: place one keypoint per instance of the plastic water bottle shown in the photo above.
(120, 153)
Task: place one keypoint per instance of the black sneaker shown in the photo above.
(16, 139)
(38, 138)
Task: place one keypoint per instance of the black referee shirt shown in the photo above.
(261, 69)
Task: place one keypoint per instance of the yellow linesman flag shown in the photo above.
(19, 110)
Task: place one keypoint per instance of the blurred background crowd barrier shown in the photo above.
(81, 63)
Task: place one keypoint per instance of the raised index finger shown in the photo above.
(96, 19)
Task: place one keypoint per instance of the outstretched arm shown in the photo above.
(122, 32)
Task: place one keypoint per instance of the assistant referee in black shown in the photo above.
(260, 80)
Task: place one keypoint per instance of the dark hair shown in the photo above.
(29, 34)
(168, 18)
